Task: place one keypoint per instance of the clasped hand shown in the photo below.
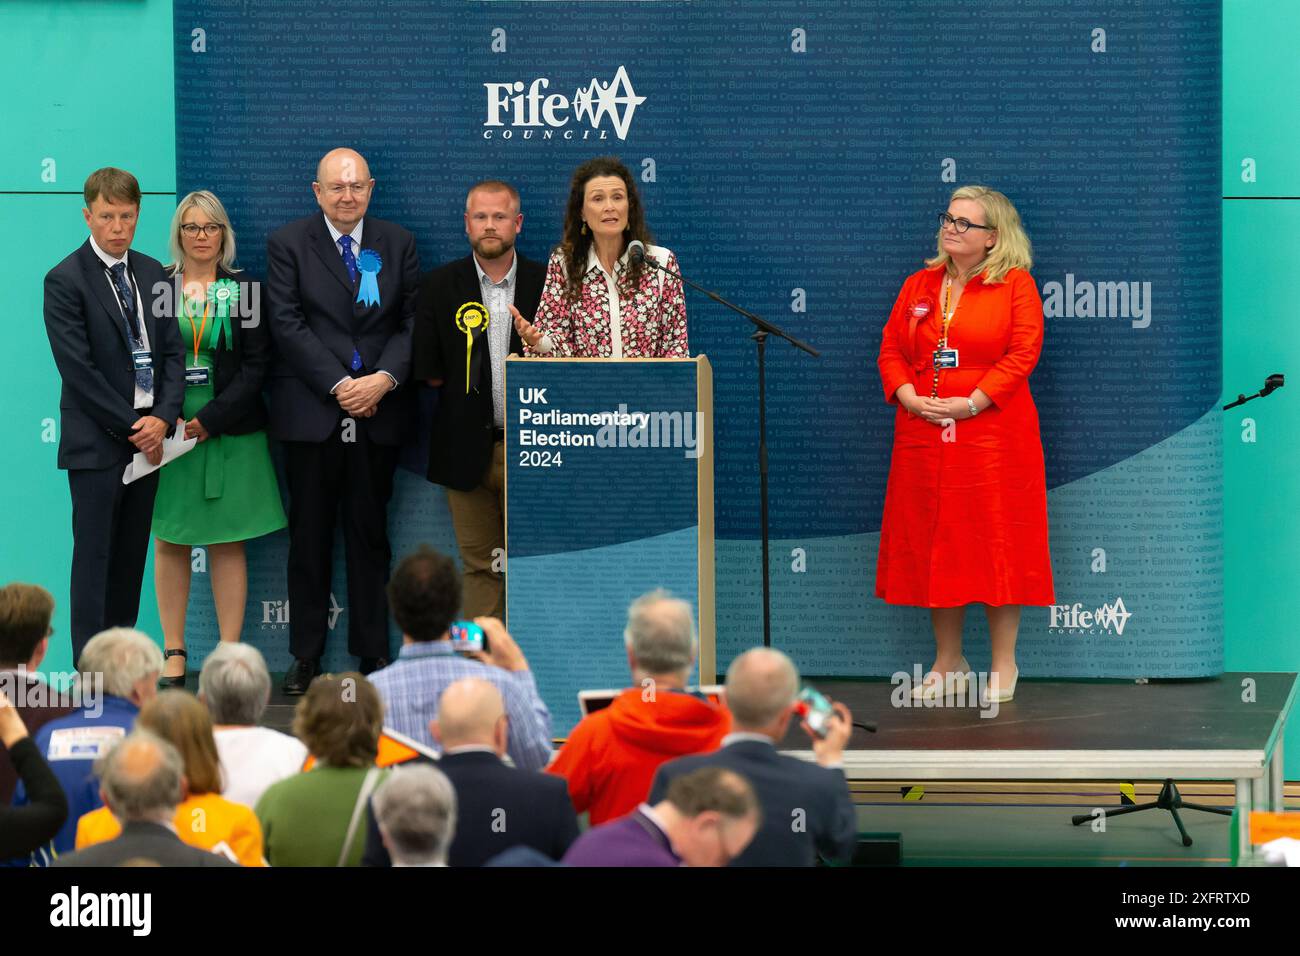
(939, 411)
(147, 436)
(360, 396)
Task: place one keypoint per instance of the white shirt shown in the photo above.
(498, 297)
(143, 399)
(253, 758)
(611, 295)
(354, 241)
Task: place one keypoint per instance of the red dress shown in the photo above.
(966, 519)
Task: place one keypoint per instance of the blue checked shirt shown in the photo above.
(412, 685)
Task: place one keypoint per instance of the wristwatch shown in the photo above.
(970, 403)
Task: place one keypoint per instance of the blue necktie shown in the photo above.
(349, 260)
(126, 299)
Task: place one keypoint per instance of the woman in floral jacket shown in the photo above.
(597, 301)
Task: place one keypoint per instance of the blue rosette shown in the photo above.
(369, 264)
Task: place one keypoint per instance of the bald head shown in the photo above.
(342, 187)
(761, 685)
(142, 778)
(469, 713)
(344, 165)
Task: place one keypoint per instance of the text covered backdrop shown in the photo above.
(795, 156)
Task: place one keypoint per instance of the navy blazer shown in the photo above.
(807, 809)
(89, 340)
(316, 323)
(464, 427)
(497, 807)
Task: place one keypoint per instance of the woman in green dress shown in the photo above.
(224, 491)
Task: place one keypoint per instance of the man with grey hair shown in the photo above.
(807, 809)
(235, 686)
(119, 671)
(416, 813)
(610, 758)
(142, 781)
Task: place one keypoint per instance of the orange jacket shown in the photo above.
(207, 821)
(610, 759)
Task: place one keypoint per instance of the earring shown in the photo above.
(584, 227)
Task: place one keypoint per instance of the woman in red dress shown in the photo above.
(965, 517)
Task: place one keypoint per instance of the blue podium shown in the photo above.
(609, 494)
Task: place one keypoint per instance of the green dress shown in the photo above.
(224, 489)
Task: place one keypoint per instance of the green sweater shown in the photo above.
(305, 817)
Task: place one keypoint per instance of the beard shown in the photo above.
(492, 247)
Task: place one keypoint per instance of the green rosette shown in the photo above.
(222, 296)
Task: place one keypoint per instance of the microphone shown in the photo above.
(636, 252)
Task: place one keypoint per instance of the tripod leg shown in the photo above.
(1112, 812)
(1187, 841)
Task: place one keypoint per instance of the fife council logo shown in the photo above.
(516, 111)
(1072, 617)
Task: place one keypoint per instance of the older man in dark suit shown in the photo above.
(142, 781)
(111, 323)
(807, 809)
(341, 290)
(463, 332)
(498, 806)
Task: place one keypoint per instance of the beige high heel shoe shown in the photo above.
(1004, 693)
(954, 684)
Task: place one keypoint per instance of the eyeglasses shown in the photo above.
(338, 189)
(210, 229)
(961, 225)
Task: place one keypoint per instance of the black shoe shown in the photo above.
(164, 683)
(299, 677)
(371, 664)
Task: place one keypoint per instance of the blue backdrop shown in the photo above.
(795, 156)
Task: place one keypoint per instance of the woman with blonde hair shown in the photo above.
(965, 519)
(224, 491)
(205, 819)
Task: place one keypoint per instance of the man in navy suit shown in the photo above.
(113, 332)
(341, 288)
(807, 809)
(497, 806)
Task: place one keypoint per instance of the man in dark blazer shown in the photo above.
(142, 782)
(807, 809)
(112, 327)
(341, 290)
(467, 448)
(497, 806)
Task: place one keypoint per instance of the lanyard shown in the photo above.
(198, 333)
(943, 331)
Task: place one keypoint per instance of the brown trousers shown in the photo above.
(479, 519)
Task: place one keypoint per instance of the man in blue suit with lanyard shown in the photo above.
(341, 287)
(113, 332)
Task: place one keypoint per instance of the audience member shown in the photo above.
(317, 817)
(424, 595)
(498, 806)
(416, 814)
(610, 759)
(24, 829)
(143, 781)
(119, 671)
(25, 611)
(807, 809)
(707, 819)
(236, 687)
(204, 819)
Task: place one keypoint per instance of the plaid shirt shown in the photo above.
(412, 685)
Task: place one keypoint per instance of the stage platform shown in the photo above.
(1228, 728)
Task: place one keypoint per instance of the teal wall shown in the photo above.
(67, 63)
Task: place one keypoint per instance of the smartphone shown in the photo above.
(466, 636)
(816, 708)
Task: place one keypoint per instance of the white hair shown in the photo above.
(416, 812)
(124, 656)
(235, 684)
(660, 633)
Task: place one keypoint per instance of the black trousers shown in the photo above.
(329, 479)
(110, 542)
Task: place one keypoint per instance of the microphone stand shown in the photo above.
(763, 329)
(1271, 384)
